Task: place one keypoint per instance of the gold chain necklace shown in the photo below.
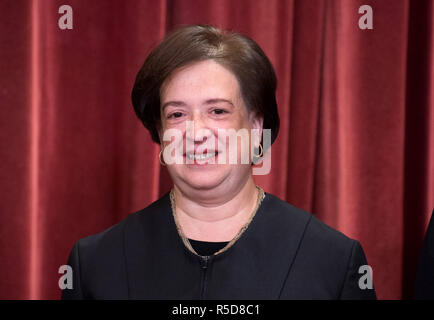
(261, 196)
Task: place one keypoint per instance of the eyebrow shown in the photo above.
(209, 101)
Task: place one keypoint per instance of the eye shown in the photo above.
(219, 111)
(174, 115)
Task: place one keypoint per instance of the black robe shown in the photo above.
(285, 253)
(424, 286)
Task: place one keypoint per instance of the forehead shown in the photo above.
(200, 80)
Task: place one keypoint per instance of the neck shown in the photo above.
(216, 219)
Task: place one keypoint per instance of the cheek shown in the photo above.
(172, 132)
(237, 121)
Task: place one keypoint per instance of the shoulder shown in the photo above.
(111, 239)
(102, 256)
(290, 217)
(326, 260)
(320, 248)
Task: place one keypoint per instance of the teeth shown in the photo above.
(200, 156)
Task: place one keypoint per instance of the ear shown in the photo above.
(257, 122)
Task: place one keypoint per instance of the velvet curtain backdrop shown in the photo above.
(355, 146)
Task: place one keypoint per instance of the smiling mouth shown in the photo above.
(201, 157)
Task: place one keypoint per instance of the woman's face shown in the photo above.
(199, 102)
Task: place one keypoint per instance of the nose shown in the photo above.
(198, 129)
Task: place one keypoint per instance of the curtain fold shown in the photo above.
(355, 148)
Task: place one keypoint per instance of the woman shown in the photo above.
(215, 235)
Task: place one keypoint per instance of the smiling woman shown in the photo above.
(214, 107)
(215, 235)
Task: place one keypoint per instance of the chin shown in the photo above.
(208, 178)
(204, 180)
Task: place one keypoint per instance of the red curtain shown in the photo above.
(356, 146)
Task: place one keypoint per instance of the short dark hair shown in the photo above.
(238, 53)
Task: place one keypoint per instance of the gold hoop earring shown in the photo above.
(159, 158)
(261, 153)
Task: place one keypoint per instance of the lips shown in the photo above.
(201, 156)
